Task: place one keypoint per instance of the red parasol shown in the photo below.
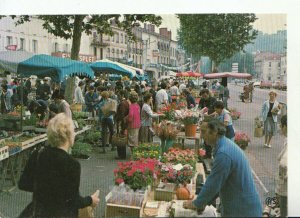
(189, 74)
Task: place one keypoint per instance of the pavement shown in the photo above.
(97, 172)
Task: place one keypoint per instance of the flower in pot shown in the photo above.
(242, 139)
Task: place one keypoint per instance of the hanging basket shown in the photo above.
(190, 130)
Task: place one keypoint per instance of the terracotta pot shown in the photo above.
(190, 130)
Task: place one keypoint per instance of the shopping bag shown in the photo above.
(258, 132)
(109, 108)
(86, 212)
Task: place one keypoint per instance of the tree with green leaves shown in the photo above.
(218, 36)
(72, 27)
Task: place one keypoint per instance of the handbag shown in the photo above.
(30, 210)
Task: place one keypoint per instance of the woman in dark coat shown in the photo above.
(54, 176)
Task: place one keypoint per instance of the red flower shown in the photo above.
(119, 181)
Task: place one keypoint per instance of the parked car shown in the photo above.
(256, 84)
(265, 84)
(279, 85)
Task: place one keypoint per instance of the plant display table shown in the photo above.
(160, 208)
(181, 139)
(13, 164)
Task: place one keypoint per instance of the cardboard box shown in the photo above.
(118, 210)
(165, 192)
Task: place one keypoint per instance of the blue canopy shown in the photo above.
(26, 64)
(107, 66)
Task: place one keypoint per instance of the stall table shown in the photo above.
(181, 139)
(12, 166)
(161, 210)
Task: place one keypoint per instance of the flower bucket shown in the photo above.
(166, 144)
(243, 145)
(190, 130)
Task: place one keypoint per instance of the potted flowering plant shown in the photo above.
(167, 132)
(234, 113)
(169, 111)
(136, 174)
(180, 174)
(176, 156)
(190, 120)
(242, 140)
(146, 150)
(201, 154)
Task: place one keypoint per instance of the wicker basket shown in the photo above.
(119, 140)
(76, 107)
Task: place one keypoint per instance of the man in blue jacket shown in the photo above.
(231, 177)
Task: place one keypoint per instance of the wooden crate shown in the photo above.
(117, 210)
(165, 193)
(4, 152)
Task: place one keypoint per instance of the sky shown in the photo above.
(267, 23)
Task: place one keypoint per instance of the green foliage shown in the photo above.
(81, 148)
(245, 62)
(276, 42)
(92, 137)
(218, 36)
(80, 115)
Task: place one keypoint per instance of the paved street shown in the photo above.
(263, 160)
(97, 173)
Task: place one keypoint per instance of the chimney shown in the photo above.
(145, 26)
(163, 31)
(170, 35)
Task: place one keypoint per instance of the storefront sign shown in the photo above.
(11, 47)
(83, 58)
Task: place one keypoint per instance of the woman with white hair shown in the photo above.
(54, 176)
(270, 110)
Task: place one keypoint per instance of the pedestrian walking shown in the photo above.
(246, 93)
(230, 177)
(226, 96)
(251, 89)
(54, 176)
(221, 92)
(270, 110)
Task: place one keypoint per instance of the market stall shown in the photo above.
(25, 64)
(225, 75)
(111, 67)
(161, 176)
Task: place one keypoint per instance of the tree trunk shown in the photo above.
(214, 67)
(77, 32)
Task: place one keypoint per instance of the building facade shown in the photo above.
(283, 69)
(150, 51)
(267, 66)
